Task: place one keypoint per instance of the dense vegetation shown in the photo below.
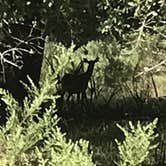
(117, 123)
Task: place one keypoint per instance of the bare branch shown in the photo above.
(147, 69)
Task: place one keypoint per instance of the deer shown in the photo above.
(78, 83)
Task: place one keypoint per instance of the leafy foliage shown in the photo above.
(130, 44)
(126, 16)
(64, 21)
(25, 141)
(137, 144)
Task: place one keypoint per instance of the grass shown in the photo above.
(101, 133)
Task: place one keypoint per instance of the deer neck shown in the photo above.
(90, 69)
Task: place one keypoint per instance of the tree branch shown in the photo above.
(147, 69)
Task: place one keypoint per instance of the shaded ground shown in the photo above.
(97, 124)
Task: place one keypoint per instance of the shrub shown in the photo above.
(24, 141)
(108, 73)
(137, 144)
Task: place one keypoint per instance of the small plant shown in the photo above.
(137, 144)
(24, 141)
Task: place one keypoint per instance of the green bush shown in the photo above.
(109, 72)
(25, 141)
(119, 64)
(137, 143)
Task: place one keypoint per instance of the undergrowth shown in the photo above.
(25, 141)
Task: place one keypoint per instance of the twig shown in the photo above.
(151, 68)
(30, 45)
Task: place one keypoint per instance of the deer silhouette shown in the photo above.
(78, 83)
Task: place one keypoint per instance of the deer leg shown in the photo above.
(78, 97)
(93, 90)
(61, 94)
(69, 95)
(84, 97)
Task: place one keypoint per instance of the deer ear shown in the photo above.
(85, 60)
(97, 59)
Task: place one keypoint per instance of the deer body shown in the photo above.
(78, 83)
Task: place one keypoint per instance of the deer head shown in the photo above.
(76, 84)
